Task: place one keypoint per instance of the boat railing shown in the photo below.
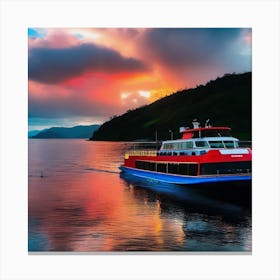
(146, 145)
(151, 153)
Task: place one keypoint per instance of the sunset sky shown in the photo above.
(86, 75)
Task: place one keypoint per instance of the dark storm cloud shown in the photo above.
(50, 65)
(182, 47)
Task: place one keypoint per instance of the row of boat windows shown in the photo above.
(172, 168)
(200, 144)
(192, 168)
(226, 168)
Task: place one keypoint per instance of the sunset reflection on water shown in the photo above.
(82, 204)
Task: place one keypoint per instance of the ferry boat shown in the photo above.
(206, 154)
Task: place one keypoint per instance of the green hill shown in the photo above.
(80, 131)
(227, 101)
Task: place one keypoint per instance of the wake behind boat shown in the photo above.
(203, 155)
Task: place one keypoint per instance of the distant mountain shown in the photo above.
(32, 133)
(227, 101)
(80, 131)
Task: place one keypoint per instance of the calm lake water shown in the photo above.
(83, 204)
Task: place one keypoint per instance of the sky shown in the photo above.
(83, 76)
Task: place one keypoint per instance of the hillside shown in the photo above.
(81, 131)
(226, 101)
(32, 133)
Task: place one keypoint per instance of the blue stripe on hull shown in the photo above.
(175, 179)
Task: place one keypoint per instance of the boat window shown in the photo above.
(183, 168)
(161, 167)
(229, 144)
(146, 165)
(176, 146)
(236, 144)
(167, 146)
(193, 169)
(173, 168)
(216, 144)
(201, 144)
(187, 145)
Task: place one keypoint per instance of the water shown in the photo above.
(79, 202)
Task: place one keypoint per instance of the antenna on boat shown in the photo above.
(207, 123)
(195, 123)
(171, 134)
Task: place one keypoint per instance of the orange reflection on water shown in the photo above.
(93, 212)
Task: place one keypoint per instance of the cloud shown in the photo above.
(53, 38)
(59, 106)
(196, 46)
(77, 73)
(53, 65)
(134, 99)
(90, 96)
(195, 55)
